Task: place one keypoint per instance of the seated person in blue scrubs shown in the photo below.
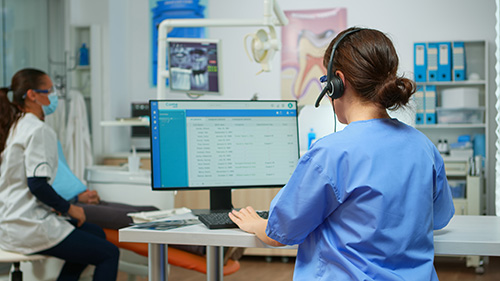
(363, 202)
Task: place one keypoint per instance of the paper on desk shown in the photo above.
(141, 217)
(165, 224)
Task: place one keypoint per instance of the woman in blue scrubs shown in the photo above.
(363, 202)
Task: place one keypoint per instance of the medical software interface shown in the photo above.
(202, 144)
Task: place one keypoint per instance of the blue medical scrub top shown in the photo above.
(363, 203)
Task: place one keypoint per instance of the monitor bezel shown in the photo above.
(218, 42)
(216, 187)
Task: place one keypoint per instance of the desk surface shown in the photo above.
(469, 235)
(464, 235)
(197, 234)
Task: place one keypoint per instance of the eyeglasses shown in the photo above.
(323, 79)
(51, 91)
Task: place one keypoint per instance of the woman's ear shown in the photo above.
(341, 76)
(30, 95)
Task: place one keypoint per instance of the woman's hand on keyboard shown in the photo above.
(248, 220)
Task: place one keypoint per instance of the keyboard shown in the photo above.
(218, 220)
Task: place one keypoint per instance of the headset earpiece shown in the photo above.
(337, 87)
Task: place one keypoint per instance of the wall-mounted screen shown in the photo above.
(194, 65)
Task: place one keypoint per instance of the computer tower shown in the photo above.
(140, 134)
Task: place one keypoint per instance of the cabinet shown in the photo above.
(476, 80)
(461, 168)
(471, 194)
(87, 79)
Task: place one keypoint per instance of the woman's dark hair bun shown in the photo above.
(395, 92)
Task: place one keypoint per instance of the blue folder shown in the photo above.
(420, 62)
(459, 65)
(420, 106)
(430, 104)
(444, 61)
(432, 61)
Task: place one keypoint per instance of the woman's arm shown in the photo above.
(248, 220)
(45, 193)
(42, 190)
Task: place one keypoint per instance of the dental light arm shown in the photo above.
(165, 26)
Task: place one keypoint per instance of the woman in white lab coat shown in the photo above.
(31, 220)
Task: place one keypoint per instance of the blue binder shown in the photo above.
(420, 62)
(444, 61)
(432, 61)
(459, 65)
(430, 104)
(420, 106)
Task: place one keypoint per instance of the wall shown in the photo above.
(126, 40)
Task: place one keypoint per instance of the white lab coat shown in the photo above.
(77, 149)
(26, 224)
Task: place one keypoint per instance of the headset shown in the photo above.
(334, 87)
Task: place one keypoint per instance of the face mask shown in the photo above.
(49, 109)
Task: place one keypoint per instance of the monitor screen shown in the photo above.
(222, 144)
(194, 65)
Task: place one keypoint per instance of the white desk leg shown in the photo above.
(215, 263)
(158, 262)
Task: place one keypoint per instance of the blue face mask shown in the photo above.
(49, 109)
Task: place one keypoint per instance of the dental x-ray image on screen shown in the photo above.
(194, 65)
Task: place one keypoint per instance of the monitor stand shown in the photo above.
(220, 201)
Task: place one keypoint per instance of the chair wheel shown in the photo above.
(480, 270)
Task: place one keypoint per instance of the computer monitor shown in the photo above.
(221, 145)
(194, 65)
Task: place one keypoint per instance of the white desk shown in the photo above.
(464, 235)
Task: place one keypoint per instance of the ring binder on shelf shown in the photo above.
(420, 62)
(444, 61)
(420, 106)
(432, 61)
(430, 104)
(459, 61)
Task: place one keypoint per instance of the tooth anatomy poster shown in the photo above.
(304, 41)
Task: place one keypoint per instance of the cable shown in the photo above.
(334, 117)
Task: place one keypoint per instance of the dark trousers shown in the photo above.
(112, 215)
(86, 245)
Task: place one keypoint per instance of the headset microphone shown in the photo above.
(321, 95)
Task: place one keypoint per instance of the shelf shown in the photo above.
(455, 159)
(124, 123)
(460, 168)
(451, 126)
(456, 173)
(454, 83)
(83, 67)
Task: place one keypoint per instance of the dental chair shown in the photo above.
(119, 185)
(176, 257)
